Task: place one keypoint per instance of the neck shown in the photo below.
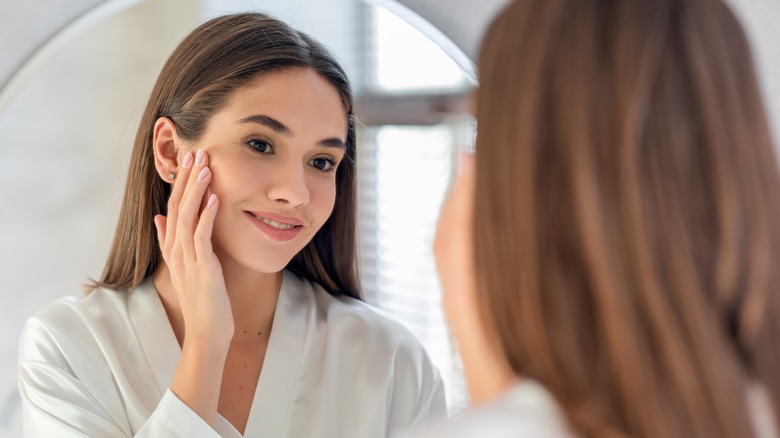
(253, 298)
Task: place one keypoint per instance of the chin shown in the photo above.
(260, 260)
(267, 265)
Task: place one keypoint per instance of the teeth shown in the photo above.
(274, 224)
(277, 224)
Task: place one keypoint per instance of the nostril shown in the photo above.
(287, 193)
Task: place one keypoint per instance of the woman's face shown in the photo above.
(273, 151)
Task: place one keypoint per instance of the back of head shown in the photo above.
(210, 64)
(626, 223)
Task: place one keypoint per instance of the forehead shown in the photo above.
(299, 98)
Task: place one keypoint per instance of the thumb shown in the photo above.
(160, 222)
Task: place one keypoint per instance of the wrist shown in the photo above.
(209, 334)
(198, 376)
(205, 346)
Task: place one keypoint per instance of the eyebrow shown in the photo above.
(281, 128)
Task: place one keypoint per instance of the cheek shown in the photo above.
(322, 198)
(231, 173)
(460, 310)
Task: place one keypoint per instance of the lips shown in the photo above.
(278, 227)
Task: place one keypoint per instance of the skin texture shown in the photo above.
(221, 277)
(486, 371)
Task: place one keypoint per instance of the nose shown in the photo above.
(289, 187)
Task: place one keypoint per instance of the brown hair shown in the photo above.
(627, 213)
(212, 62)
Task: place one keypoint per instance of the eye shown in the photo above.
(260, 146)
(324, 164)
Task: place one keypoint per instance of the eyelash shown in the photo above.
(253, 144)
(332, 165)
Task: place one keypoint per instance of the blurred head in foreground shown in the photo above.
(618, 239)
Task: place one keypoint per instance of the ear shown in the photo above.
(166, 147)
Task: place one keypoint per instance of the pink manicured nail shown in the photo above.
(212, 200)
(199, 157)
(203, 174)
(187, 159)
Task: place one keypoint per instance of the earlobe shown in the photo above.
(165, 144)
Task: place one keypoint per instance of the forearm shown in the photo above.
(198, 376)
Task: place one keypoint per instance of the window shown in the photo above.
(415, 120)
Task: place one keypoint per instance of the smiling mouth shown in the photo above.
(274, 224)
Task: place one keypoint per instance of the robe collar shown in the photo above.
(276, 385)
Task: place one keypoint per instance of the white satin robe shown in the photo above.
(526, 409)
(101, 366)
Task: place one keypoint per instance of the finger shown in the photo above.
(465, 162)
(179, 185)
(462, 194)
(203, 249)
(160, 225)
(189, 208)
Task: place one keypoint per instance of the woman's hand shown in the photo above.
(196, 275)
(185, 241)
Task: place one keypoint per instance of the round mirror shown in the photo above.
(69, 115)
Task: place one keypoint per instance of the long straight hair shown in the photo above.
(210, 64)
(627, 216)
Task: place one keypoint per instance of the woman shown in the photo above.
(610, 261)
(229, 305)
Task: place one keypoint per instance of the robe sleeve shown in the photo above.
(418, 396)
(433, 409)
(56, 402)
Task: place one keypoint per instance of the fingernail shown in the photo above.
(203, 174)
(212, 200)
(199, 157)
(187, 159)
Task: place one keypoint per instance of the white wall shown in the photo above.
(335, 23)
(35, 20)
(761, 19)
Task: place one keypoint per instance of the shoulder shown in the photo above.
(366, 325)
(359, 333)
(70, 324)
(526, 409)
(376, 353)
